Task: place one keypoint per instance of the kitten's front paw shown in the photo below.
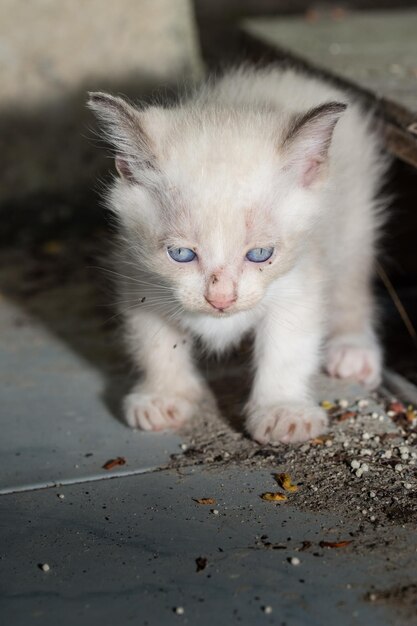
(354, 356)
(286, 423)
(157, 412)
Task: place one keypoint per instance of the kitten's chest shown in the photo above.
(219, 334)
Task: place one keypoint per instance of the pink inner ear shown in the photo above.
(123, 168)
(311, 171)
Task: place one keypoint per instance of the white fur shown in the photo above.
(223, 180)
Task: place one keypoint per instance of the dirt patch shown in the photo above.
(364, 467)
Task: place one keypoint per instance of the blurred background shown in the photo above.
(53, 166)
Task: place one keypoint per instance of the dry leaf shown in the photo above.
(397, 407)
(111, 463)
(334, 544)
(327, 405)
(284, 481)
(205, 500)
(270, 496)
(318, 441)
(345, 416)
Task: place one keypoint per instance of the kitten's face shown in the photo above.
(217, 203)
(219, 237)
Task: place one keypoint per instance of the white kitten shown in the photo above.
(249, 207)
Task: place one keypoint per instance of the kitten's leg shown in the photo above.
(171, 387)
(287, 353)
(352, 349)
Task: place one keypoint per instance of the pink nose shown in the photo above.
(221, 303)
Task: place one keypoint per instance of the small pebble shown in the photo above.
(372, 518)
(359, 472)
(387, 454)
(268, 610)
(214, 511)
(294, 560)
(403, 449)
(366, 436)
(45, 567)
(179, 610)
(362, 404)
(398, 467)
(372, 494)
(343, 404)
(365, 467)
(61, 496)
(355, 464)
(408, 486)
(372, 597)
(391, 413)
(328, 443)
(366, 452)
(183, 447)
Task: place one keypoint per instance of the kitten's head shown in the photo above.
(217, 202)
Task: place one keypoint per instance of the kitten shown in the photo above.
(249, 207)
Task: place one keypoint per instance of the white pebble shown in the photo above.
(408, 486)
(355, 464)
(45, 567)
(398, 467)
(366, 452)
(179, 610)
(61, 496)
(375, 415)
(343, 404)
(404, 457)
(328, 443)
(268, 610)
(391, 413)
(294, 560)
(365, 467)
(366, 436)
(359, 472)
(372, 494)
(362, 404)
(372, 518)
(387, 454)
(215, 511)
(345, 444)
(183, 447)
(403, 450)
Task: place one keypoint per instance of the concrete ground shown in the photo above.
(132, 544)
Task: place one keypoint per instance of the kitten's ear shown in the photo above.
(124, 129)
(307, 142)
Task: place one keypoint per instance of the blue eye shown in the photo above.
(258, 255)
(182, 255)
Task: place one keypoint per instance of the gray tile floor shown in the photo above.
(122, 548)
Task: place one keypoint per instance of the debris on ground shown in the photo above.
(112, 463)
(334, 544)
(285, 482)
(201, 563)
(270, 496)
(205, 500)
